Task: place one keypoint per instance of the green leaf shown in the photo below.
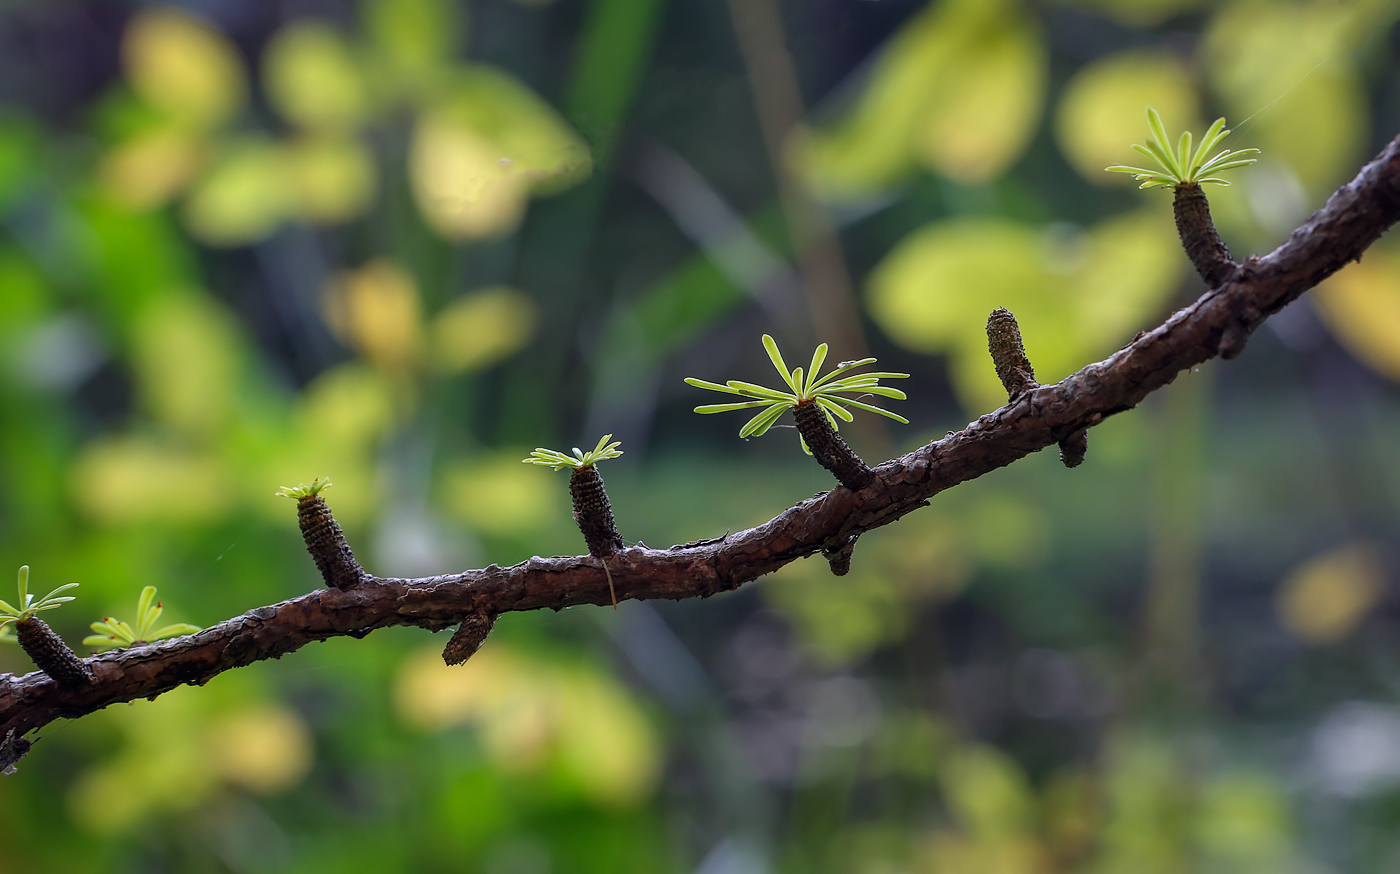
(712, 386)
(752, 389)
(143, 625)
(818, 357)
(759, 425)
(776, 357)
(832, 406)
(873, 409)
(1159, 131)
(102, 641)
(143, 603)
(725, 408)
(179, 629)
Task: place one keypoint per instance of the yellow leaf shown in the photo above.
(312, 78)
(606, 742)
(124, 480)
(989, 101)
(265, 748)
(1324, 599)
(959, 87)
(479, 156)
(482, 328)
(414, 39)
(501, 496)
(243, 197)
(333, 179)
(1101, 113)
(186, 354)
(183, 67)
(988, 792)
(1288, 65)
(149, 170)
(1361, 306)
(377, 310)
(1077, 295)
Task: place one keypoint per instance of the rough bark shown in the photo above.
(326, 543)
(42, 644)
(1203, 245)
(829, 449)
(593, 512)
(1009, 353)
(468, 637)
(1353, 218)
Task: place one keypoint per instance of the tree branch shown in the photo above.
(1219, 322)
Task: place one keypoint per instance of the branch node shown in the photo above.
(326, 543)
(827, 447)
(12, 749)
(468, 637)
(593, 512)
(1073, 448)
(839, 555)
(52, 655)
(1203, 245)
(1009, 354)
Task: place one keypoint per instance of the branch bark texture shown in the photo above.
(1219, 322)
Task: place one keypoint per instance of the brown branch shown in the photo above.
(1353, 218)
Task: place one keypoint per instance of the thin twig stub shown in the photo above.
(1203, 245)
(326, 543)
(593, 512)
(1009, 353)
(829, 449)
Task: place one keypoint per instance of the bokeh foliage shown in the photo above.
(400, 242)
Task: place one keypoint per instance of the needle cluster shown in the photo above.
(1181, 166)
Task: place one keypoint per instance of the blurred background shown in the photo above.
(400, 243)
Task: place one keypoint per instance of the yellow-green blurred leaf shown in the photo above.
(480, 155)
(605, 741)
(1103, 110)
(1324, 599)
(183, 67)
(501, 496)
(1361, 306)
(333, 179)
(243, 196)
(988, 792)
(1077, 295)
(1244, 819)
(186, 355)
(151, 169)
(265, 748)
(482, 328)
(118, 481)
(990, 100)
(377, 310)
(1288, 65)
(312, 78)
(351, 405)
(959, 88)
(839, 619)
(532, 713)
(415, 38)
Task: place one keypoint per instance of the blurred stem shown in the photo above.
(614, 53)
(778, 102)
(1173, 592)
(618, 37)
